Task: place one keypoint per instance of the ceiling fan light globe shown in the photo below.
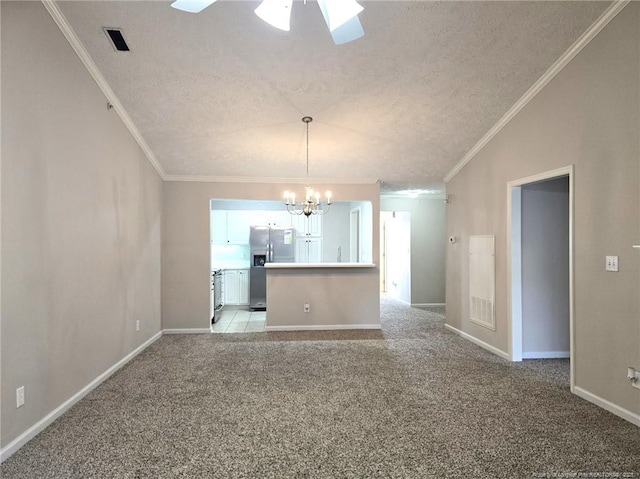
(276, 13)
(348, 32)
(192, 6)
(338, 12)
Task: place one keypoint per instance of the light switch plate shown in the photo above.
(612, 263)
(20, 397)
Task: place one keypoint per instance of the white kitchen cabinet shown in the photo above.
(243, 286)
(230, 286)
(308, 226)
(230, 227)
(238, 226)
(270, 218)
(219, 227)
(308, 250)
(236, 286)
(308, 238)
(280, 218)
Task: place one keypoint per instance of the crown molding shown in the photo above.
(247, 179)
(608, 15)
(82, 53)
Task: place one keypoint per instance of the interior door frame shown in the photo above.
(514, 262)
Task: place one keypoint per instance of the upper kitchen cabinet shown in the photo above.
(308, 226)
(270, 218)
(238, 225)
(230, 227)
(219, 227)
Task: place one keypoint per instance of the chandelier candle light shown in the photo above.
(311, 204)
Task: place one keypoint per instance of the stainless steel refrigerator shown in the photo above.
(269, 244)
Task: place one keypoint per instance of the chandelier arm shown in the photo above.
(293, 209)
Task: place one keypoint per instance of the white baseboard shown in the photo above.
(322, 327)
(187, 331)
(546, 355)
(38, 427)
(427, 305)
(482, 344)
(625, 414)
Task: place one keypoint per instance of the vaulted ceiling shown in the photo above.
(222, 94)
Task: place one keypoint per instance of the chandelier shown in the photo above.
(311, 204)
(341, 16)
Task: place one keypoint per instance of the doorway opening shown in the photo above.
(540, 255)
(395, 254)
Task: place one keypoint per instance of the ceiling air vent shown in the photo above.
(117, 40)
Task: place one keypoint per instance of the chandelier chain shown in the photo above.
(307, 120)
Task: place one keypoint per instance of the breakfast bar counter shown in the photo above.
(317, 265)
(322, 296)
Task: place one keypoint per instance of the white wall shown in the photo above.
(366, 232)
(545, 268)
(335, 233)
(81, 225)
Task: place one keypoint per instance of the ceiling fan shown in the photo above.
(341, 16)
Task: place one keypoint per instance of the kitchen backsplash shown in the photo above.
(229, 256)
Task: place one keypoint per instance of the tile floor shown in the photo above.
(240, 321)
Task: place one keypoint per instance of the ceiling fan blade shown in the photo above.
(276, 13)
(338, 12)
(349, 31)
(192, 6)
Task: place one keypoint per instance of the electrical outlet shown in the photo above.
(307, 307)
(137, 325)
(20, 396)
(634, 377)
(612, 263)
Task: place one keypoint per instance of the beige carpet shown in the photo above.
(410, 401)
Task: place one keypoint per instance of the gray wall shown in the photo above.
(588, 116)
(428, 246)
(545, 267)
(81, 216)
(185, 246)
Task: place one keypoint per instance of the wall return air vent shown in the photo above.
(482, 280)
(117, 39)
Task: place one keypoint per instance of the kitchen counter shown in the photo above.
(240, 264)
(317, 265)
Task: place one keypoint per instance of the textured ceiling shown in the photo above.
(221, 93)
